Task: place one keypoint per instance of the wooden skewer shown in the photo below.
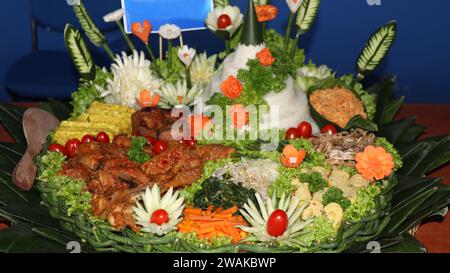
(160, 48)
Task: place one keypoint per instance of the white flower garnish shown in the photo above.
(258, 217)
(178, 94)
(114, 16)
(186, 55)
(169, 31)
(232, 11)
(203, 69)
(294, 5)
(73, 2)
(131, 75)
(152, 201)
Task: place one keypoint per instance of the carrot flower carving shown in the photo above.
(291, 157)
(147, 100)
(231, 87)
(265, 57)
(374, 163)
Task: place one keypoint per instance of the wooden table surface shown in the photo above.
(434, 235)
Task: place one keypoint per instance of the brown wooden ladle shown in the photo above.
(37, 124)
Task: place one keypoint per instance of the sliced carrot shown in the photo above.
(194, 211)
(231, 210)
(209, 210)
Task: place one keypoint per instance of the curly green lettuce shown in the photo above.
(364, 204)
(319, 231)
(75, 199)
(87, 92)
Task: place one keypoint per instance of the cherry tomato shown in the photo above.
(304, 129)
(329, 130)
(102, 137)
(88, 139)
(277, 223)
(159, 147)
(150, 140)
(292, 133)
(159, 217)
(223, 21)
(71, 147)
(57, 148)
(190, 143)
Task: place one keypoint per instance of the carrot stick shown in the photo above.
(231, 210)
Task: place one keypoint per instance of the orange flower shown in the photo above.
(266, 13)
(291, 157)
(142, 31)
(198, 123)
(231, 87)
(265, 57)
(239, 116)
(147, 100)
(374, 163)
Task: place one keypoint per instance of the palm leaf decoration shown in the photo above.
(307, 14)
(221, 3)
(78, 51)
(92, 32)
(376, 48)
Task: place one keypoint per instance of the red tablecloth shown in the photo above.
(434, 235)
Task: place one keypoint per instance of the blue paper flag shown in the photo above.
(187, 14)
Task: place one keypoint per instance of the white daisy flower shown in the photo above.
(178, 94)
(169, 31)
(159, 215)
(203, 69)
(294, 5)
(131, 75)
(186, 55)
(114, 16)
(233, 13)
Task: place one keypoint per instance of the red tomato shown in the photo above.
(150, 140)
(88, 139)
(292, 133)
(57, 148)
(71, 147)
(223, 21)
(329, 130)
(304, 129)
(190, 143)
(159, 217)
(159, 147)
(102, 137)
(277, 223)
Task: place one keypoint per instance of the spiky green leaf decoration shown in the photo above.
(78, 51)
(307, 14)
(92, 32)
(221, 3)
(376, 48)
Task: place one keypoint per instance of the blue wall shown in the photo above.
(420, 56)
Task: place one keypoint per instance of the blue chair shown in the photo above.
(50, 73)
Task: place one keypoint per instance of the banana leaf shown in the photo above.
(409, 244)
(392, 131)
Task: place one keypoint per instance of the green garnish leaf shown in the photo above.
(137, 152)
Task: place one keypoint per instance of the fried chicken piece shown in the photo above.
(214, 151)
(185, 178)
(74, 169)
